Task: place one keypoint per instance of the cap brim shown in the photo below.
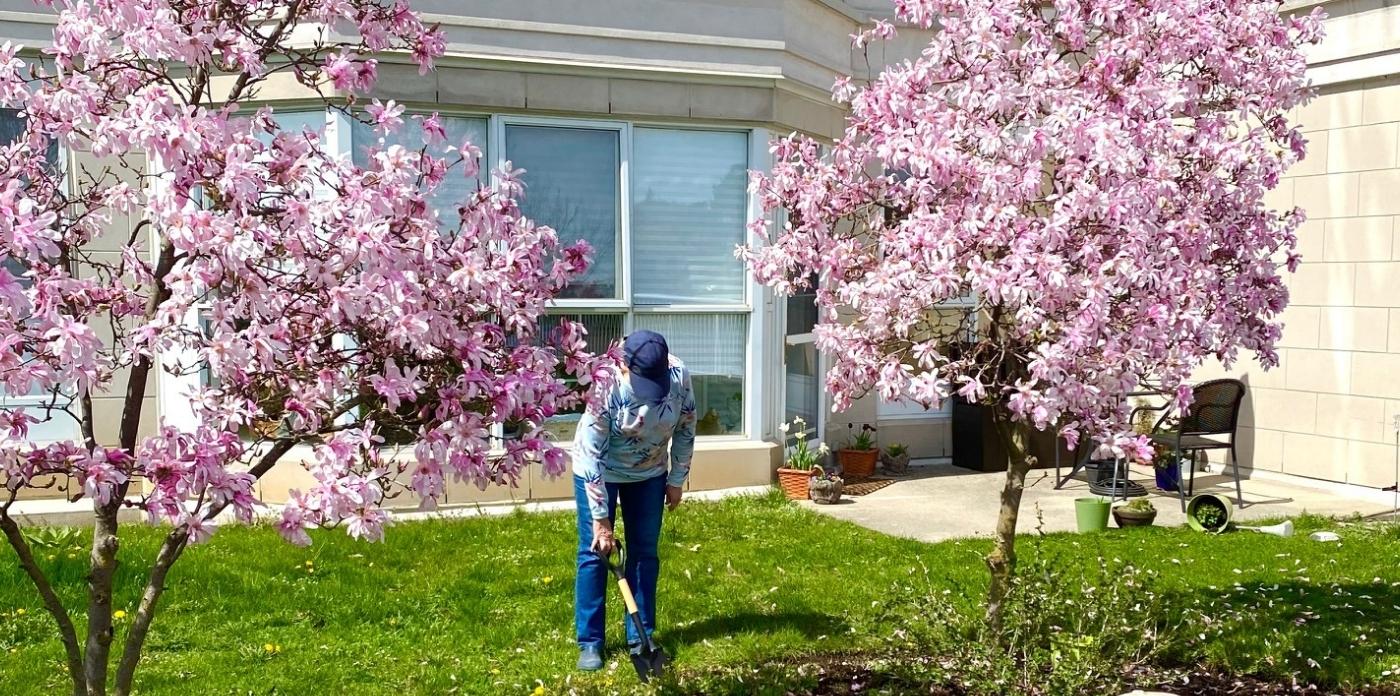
(649, 388)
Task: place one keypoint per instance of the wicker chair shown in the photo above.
(1214, 412)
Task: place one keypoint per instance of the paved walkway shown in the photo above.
(940, 501)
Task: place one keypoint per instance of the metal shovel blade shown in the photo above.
(649, 660)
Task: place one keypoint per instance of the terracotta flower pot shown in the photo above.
(826, 491)
(858, 463)
(796, 483)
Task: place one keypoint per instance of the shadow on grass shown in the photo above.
(1328, 633)
(810, 624)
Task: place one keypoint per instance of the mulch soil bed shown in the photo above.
(847, 676)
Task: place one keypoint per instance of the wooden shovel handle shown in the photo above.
(627, 596)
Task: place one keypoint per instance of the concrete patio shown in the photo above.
(938, 501)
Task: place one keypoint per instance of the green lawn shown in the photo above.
(484, 605)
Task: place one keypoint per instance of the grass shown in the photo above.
(485, 605)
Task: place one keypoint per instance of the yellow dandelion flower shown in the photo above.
(539, 690)
(20, 612)
(119, 614)
(547, 579)
(269, 647)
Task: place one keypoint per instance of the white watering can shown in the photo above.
(1282, 529)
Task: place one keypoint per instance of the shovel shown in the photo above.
(649, 659)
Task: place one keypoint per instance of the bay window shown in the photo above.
(663, 209)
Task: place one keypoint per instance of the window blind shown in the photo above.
(571, 184)
(709, 344)
(603, 329)
(689, 204)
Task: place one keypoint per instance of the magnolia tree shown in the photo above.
(1084, 179)
(325, 302)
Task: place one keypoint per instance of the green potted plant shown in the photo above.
(825, 488)
(1091, 514)
(896, 459)
(795, 477)
(859, 456)
(1165, 468)
(1137, 513)
(1208, 512)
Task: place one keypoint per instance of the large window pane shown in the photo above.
(300, 121)
(12, 126)
(802, 313)
(456, 187)
(689, 204)
(571, 179)
(713, 346)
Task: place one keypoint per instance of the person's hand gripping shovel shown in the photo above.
(649, 659)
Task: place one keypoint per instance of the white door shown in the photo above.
(802, 365)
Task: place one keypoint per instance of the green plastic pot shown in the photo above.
(1091, 514)
(1208, 499)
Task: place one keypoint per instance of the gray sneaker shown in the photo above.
(589, 659)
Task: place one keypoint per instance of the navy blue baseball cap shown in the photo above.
(648, 364)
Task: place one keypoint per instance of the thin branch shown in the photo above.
(293, 12)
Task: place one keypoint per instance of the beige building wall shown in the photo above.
(1326, 412)
(107, 405)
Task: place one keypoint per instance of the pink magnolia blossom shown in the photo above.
(1102, 206)
(328, 303)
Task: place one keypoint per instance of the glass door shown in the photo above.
(802, 365)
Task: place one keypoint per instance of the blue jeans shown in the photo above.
(642, 503)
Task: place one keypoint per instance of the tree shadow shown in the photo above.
(1327, 632)
(810, 624)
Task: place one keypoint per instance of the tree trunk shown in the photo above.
(1015, 437)
(141, 624)
(103, 567)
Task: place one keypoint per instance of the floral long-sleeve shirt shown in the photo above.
(627, 439)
